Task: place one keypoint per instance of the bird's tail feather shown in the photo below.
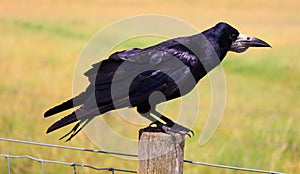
(66, 121)
(73, 102)
(83, 118)
(63, 122)
(76, 129)
(59, 108)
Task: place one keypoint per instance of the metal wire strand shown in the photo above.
(66, 147)
(231, 167)
(114, 153)
(74, 165)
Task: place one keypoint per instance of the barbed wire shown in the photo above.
(114, 153)
(67, 147)
(74, 165)
(231, 167)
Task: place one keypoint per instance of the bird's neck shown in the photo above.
(210, 38)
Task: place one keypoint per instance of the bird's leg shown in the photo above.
(159, 125)
(144, 110)
(149, 117)
(171, 126)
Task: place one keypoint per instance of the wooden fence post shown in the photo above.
(160, 153)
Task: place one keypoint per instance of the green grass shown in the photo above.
(39, 48)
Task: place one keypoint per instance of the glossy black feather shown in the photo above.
(166, 67)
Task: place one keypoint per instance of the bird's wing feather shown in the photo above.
(128, 78)
(139, 72)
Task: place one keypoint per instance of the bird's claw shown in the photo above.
(176, 128)
(173, 128)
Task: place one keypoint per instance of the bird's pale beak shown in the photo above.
(243, 42)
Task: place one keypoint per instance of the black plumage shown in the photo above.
(128, 78)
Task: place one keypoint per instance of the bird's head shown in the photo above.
(242, 42)
(228, 38)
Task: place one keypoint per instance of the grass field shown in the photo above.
(42, 40)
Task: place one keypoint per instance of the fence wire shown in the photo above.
(112, 170)
(73, 165)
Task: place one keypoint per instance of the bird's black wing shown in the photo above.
(129, 77)
(134, 74)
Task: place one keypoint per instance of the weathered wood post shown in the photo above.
(160, 153)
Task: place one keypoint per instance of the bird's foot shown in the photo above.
(172, 128)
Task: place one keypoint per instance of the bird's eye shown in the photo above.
(233, 36)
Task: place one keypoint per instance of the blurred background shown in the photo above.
(41, 42)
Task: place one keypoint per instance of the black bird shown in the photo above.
(129, 78)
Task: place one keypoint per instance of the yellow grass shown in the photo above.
(42, 40)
